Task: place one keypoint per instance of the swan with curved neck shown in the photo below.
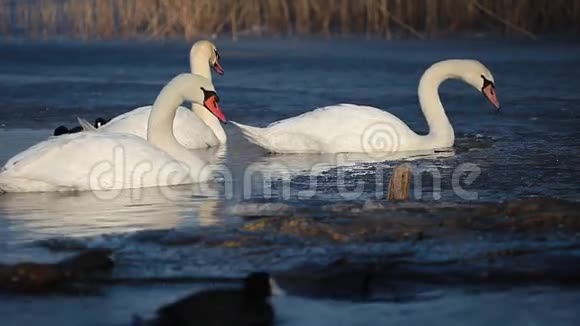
(363, 129)
(195, 128)
(106, 161)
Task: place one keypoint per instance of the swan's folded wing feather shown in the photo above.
(189, 130)
(87, 126)
(133, 122)
(69, 160)
(35, 152)
(334, 120)
(337, 128)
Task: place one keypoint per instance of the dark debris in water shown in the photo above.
(390, 278)
(472, 142)
(70, 275)
(375, 250)
(419, 220)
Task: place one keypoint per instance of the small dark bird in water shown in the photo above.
(248, 306)
(61, 130)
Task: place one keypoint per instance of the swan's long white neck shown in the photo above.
(199, 63)
(441, 132)
(160, 130)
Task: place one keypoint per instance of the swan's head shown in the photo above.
(207, 49)
(203, 93)
(478, 76)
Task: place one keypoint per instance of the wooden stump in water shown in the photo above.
(400, 183)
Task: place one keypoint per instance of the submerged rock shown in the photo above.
(87, 263)
(30, 277)
(396, 221)
(39, 278)
(392, 278)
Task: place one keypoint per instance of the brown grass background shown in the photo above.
(188, 19)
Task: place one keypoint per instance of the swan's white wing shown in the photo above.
(335, 117)
(189, 130)
(133, 122)
(338, 128)
(77, 161)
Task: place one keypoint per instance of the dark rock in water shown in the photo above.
(246, 306)
(342, 279)
(392, 278)
(40, 278)
(30, 277)
(88, 262)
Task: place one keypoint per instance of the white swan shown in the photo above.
(195, 128)
(106, 161)
(363, 129)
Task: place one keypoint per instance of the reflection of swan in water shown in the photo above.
(256, 175)
(244, 158)
(38, 215)
(291, 165)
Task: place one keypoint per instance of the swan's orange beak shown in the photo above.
(489, 92)
(217, 67)
(211, 103)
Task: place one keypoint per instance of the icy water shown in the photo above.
(530, 149)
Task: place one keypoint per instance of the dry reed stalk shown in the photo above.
(506, 22)
(74, 12)
(234, 19)
(384, 8)
(48, 17)
(431, 17)
(278, 20)
(344, 16)
(126, 18)
(405, 26)
(192, 18)
(302, 11)
(22, 13)
(576, 14)
(5, 17)
(371, 18)
(105, 18)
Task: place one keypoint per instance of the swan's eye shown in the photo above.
(486, 83)
(217, 55)
(207, 94)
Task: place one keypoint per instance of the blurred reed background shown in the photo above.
(188, 19)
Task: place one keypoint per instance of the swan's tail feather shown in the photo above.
(254, 135)
(4, 184)
(87, 126)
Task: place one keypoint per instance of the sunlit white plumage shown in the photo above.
(93, 160)
(364, 129)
